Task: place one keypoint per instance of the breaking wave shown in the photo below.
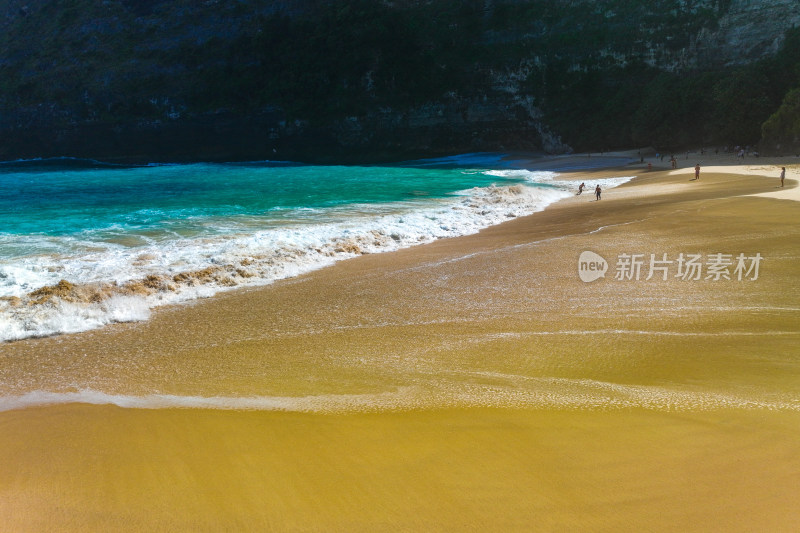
(75, 283)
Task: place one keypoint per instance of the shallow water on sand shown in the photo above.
(503, 322)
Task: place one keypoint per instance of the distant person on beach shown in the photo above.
(697, 171)
(597, 191)
(783, 175)
(580, 188)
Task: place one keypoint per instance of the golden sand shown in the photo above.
(108, 469)
(474, 384)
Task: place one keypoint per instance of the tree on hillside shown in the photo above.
(781, 132)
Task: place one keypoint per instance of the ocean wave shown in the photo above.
(533, 176)
(47, 294)
(551, 177)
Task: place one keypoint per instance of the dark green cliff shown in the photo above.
(361, 79)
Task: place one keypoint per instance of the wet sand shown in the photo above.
(473, 384)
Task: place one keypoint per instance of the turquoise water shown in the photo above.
(108, 201)
(105, 228)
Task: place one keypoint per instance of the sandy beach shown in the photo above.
(472, 384)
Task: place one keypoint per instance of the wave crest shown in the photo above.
(49, 294)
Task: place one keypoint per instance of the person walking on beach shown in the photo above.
(697, 171)
(580, 188)
(597, 191)
(783, 175)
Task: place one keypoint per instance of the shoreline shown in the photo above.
(790, 192)
(482, 242)
(463, 332)
(261, 256)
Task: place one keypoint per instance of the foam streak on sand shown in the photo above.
(519, 392)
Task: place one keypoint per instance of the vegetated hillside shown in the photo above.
(364, 79)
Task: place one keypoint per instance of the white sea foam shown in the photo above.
(508, 391)
(65, 317)
(251, 256)
(546, 176)
(535, 176)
